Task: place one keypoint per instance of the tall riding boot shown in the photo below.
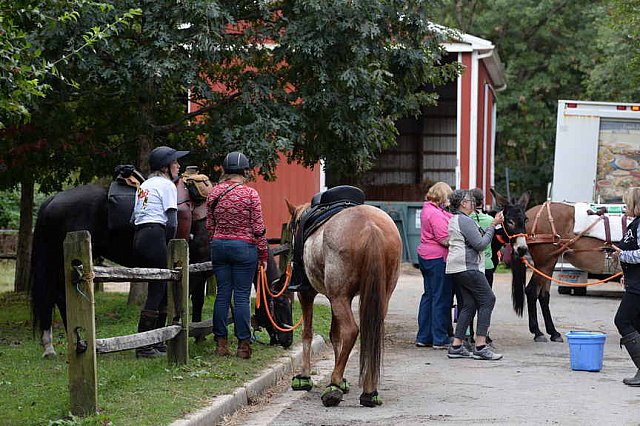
(222, 346)
(244, 349)
(160, 323)
(148, 320)
(632, 343)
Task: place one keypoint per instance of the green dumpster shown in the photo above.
(406, 216)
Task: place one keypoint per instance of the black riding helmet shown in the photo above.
(162, 156)
(235, 163)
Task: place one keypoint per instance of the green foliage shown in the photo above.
(615, 76)
(548, 51)
(10, 208)
(130, 391)
(24, 67)
(315, 80)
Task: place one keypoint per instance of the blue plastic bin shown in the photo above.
(586, 349)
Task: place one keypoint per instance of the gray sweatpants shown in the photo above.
(476, 295)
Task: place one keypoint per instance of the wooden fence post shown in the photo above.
(81, 329)
(178, 347)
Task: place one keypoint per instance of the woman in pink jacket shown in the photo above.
(434, 312)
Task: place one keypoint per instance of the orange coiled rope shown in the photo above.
(530, 266)
(261, 296)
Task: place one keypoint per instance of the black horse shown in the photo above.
(86, 208)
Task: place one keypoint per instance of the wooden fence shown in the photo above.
(83, 346)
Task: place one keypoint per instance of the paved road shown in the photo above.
(533, 384)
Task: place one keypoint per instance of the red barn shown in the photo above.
(452, 142)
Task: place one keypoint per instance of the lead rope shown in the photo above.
(530, 266)
(261, 296)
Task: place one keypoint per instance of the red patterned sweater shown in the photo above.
(238, 216)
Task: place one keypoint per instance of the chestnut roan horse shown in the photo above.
(355, 252)
(549, 236)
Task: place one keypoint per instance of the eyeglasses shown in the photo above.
(466, 199)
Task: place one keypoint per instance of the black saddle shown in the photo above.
(324, 205)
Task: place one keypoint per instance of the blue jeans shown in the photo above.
(434, 312)
(234, 265)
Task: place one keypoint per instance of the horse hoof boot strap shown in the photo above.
(332, 396)
(370, 399)
(301, 383)
(345, 386)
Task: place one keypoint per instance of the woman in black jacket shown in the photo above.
(628, 315)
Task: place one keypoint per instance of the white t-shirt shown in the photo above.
(155, 196)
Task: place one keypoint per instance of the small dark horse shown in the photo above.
(357, 251)
(85, 208)
(552, 237)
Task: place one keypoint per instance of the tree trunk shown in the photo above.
(23, 252)
(138, 291)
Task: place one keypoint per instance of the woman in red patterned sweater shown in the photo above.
(238, 242)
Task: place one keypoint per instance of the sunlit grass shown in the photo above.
(7, 274)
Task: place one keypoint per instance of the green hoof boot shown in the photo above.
(345, 386)
(370, 399)
(332, 396)
(301, 383)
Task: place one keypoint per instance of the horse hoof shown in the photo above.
(301, 383)
(370, 399)
(557, 338)
(540, 339)
(332, 396)
(49, 354)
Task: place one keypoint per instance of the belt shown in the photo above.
(149, 225)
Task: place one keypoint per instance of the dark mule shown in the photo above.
(550, 234)
(355, 252)
(85, 208)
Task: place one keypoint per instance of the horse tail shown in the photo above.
(373, 273)
(40, 296)
(518, 278)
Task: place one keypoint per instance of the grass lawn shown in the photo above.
(33, 391)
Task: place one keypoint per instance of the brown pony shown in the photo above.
(550, 237)
(355, 252)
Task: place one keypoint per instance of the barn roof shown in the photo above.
(487, 53)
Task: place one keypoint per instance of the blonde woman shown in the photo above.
(434, 311)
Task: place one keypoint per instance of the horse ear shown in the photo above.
(290, 207)
(501, 200)
(524, 199)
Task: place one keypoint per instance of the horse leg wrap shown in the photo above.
(332, 395)
(344, 386)
(299, 383)
(370, 399)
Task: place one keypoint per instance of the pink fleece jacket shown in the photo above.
(433, 230)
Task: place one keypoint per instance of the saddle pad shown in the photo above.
(617, 223)
(121, 199)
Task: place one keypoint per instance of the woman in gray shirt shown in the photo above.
(465, 263)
